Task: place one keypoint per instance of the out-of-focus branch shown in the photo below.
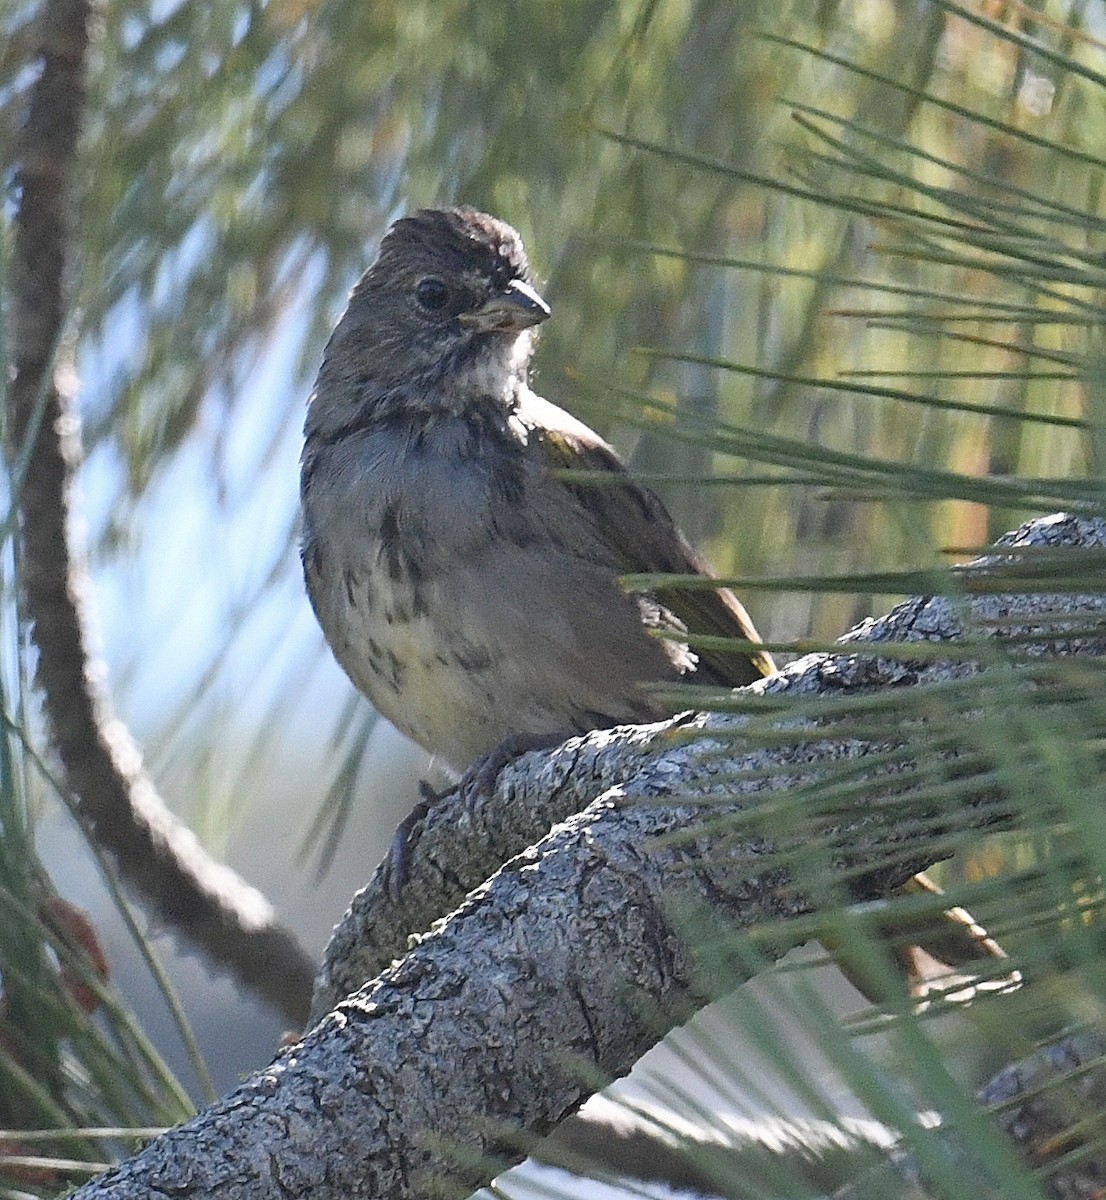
(1052, 1106)
(197, 896)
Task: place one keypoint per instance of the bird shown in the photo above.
(465, 581)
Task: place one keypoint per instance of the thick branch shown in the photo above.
(568, 953)
(160, 857)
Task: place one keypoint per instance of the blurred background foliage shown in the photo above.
(830, 274)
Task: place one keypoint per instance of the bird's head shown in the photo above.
(443, 318)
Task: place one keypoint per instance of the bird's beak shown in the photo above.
(516, 308)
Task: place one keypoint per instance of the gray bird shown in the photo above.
(467, 587)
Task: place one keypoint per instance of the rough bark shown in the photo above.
(198, 897)
(572, 952)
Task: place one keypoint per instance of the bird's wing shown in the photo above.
(642, 537)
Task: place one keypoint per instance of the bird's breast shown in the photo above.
(469, 599)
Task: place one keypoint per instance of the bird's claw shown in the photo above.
(397, 862)
(476, 784)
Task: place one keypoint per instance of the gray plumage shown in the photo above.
(468, 591)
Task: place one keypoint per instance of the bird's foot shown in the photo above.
(478, 781)
(397, 862)
(476, 784)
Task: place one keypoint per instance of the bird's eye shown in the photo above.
(431, 294)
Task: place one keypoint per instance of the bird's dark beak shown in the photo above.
(516, 308)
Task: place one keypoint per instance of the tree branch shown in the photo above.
(197, 896)
(572, 952)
